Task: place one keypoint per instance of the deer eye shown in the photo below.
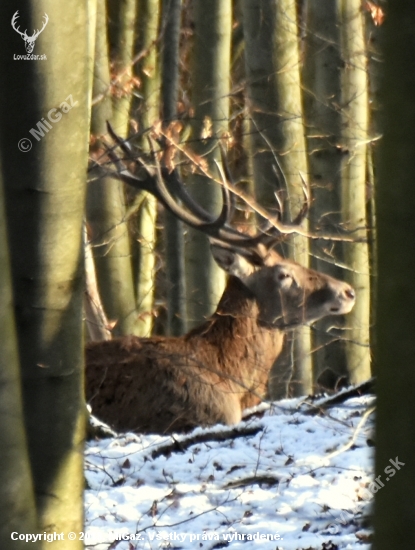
(283, 275)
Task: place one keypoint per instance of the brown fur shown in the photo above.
(153, 384)
(214, 372)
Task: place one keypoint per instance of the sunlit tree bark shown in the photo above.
(106, 205)
(147, 113)
(354, 143)
(210, 98)
(45, 190)
(277, 142)
(322, 63)
(122, 25)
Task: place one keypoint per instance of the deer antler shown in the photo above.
(168, 188)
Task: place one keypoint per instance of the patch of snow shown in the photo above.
(290, 483)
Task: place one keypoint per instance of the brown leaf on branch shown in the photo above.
(378, 15)
(207, 128)
(172, 134)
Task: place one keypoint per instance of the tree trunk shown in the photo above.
(205, 281)
(355, 135)
(106, 206)
(322, 62)
(17, 502)
(277, 142)
(45, 204)
(173, 228)
(261, 97)
(293, 161)
(395, 342)
(122, 23)
(147, 114)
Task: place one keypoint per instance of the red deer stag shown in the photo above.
(211, 374)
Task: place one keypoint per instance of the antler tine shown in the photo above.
(227, 207)
(271, 234)
(148, 184)
(306, 205)
(122, 143)
(122, 173)
(175, 186)
(212, 227)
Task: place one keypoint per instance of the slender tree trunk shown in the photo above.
(375, 75)
(122, 26)
(293, 160)
(263, 125)
(261, 96)
(322, 64)
(147, 114)
(17, 502)
(210, 97)
(173, 228)
(277, 142)
(106, 206)
(355, 135)
(45, 205)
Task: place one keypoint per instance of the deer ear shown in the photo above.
(232, 261)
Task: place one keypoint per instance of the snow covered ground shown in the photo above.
(282, 479)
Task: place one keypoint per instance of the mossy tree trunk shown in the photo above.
(45, 190)
(261, 98)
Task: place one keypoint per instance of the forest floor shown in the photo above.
(289, 477)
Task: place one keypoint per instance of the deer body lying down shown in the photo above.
(214, 372)
(210, 375)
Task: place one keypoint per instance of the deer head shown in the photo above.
(287, 293)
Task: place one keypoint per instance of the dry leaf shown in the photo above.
(126, 464)
(207, 128)
(378, 15)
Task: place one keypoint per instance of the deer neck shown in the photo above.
(245, 349)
